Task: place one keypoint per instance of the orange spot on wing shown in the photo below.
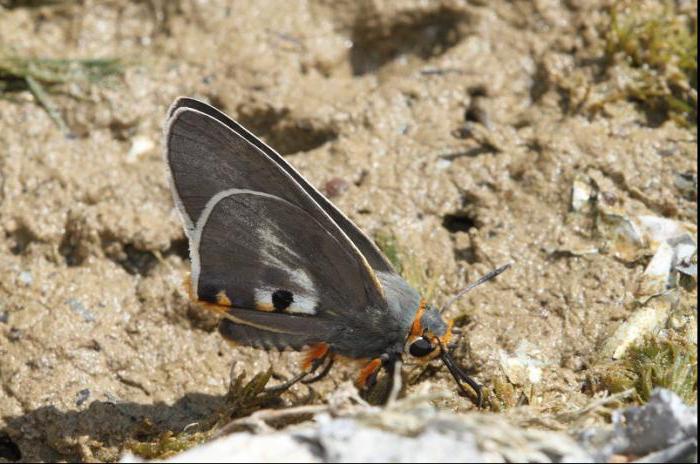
(267, 307)
(222, 299)
(372, 367)
(217, 308)
(417, 327)
(315, 352)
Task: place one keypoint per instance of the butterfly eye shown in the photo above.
(421, 347)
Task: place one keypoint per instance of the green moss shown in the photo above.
(407, 265)
(655, 42)
(390, 247)
(167, 445)
(665, 364)
(44, 76)
(654, 363)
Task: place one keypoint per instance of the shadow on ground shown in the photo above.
(104, 426)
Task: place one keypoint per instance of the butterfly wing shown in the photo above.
(267, 254)
(206, 157)
(369, 250)
(281, 276)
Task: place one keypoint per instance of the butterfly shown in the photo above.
(283, 266)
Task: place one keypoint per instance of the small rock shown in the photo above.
(14, 335)
(82, 396)
(25, 277)
(663, 422)
(522, 368)
(687, 184)
(581, 193)
(78, 308)
(335, 187)
(409, 432)
(111, 398)
(139, 146)
(663, 430)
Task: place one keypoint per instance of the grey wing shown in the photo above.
(275, 266)
(206, 157)
(366, 246)
(271, 330)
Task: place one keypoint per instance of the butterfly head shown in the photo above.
(429, 338)
(430, 335)
(428, 332)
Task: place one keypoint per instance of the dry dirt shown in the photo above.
(447, 124)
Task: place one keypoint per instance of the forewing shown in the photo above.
(366, 246)
(259, 253)
(206, 157)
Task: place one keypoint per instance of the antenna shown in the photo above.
(483, 279)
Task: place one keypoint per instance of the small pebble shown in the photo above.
(26, 278)
(335, 187)
(111, 398)
(4, 317)
(82, 396)
(443, 164)
(609, 197)
(139, 146)
(667, 151)
(14, 335)
(77, 307)
(687, 183)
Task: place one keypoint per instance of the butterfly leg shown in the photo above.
(392, 364)
(330, 359)
(285, 385)
(368, 374)
(315, 358)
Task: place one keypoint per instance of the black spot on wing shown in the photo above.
(282, 299)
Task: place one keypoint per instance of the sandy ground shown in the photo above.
(445, 120)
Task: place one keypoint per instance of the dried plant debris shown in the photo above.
(629, 236)
(657, 291)
(243, 397)
(503, 394)
(42, 76)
